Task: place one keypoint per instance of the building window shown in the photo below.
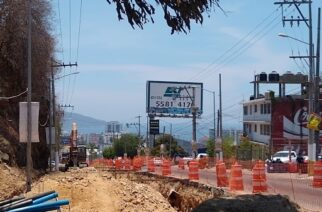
(269, 108)
(255, 128)
(262, 109)
(255, 108)
(250, 110)
(245, 110)
(265, 129)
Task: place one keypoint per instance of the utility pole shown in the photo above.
(139, 117)
(170, 139)
(194, 123)
(50, 125)
(220, 120)
(317, 83)
(311, 85)
(57, 145)
(28, 153)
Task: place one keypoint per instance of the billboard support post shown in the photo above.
(194, 131)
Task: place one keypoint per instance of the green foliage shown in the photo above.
(228, 147)
(177, 14)
(109, 153)
(211, 148)
(128, 143)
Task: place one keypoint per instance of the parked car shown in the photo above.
(284, 157)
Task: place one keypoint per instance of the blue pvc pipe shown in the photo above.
(45, 198)
(42, 206)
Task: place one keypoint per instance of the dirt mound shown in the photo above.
(249, 203)
(12, 181)
(88, 190)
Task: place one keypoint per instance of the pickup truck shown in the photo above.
(283, 157)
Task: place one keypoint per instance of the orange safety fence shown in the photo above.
(166, 168)
(317, 174)
(236, 178)
(221, 174)
(181, 164)
(193, 170)
(151, 166)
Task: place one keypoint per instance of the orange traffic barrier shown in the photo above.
(166, 168)
(127, 164)
(203, 162)
(109, 163)
(259, 178)
(151, 166)
(181, 164)
(193, 170)
(317, 174)
(221, 174)
(118, 164)
(137, 164)
(236, 178)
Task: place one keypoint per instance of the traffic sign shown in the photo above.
(154, 126)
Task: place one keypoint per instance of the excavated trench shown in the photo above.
(182, 194)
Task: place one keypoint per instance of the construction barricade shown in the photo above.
(166, 168)
(259, 178)
(292, 167)
(236, 178)
(317, 174)
(193, 170)
(151, 166)
(181, 164)
(118, 164)
(127, 164)
(221, 174)
(109, 163)
(137, 164)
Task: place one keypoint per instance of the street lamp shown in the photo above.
(214, 102)
(287, 36)
(57, 78)
(314, 91)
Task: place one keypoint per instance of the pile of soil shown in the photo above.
(89, 190)
(12, 181)
(249, 203)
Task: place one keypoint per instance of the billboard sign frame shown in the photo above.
(173, 99)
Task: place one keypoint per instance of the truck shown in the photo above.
(284, 157)
(77, 153)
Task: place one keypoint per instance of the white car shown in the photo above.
(284, 157)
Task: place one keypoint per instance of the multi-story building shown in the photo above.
(278, 121)
(113, 131)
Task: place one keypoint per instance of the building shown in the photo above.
(278, 120)
(113, 131)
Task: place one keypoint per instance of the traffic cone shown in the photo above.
(222, 179)
(236, 178)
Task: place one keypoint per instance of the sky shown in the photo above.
(115, 61)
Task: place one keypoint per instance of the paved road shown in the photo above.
(298, 187)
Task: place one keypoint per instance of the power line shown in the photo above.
(204, 70)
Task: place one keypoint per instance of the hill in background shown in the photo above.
(85, 124)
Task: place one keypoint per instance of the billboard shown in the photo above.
(166, 98)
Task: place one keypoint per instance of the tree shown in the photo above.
(13, 63)
(211, 148)
(228, 148)
(109, 153)
(128, 143)
(177, 13)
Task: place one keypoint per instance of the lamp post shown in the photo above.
(214, 105)
(313, 88)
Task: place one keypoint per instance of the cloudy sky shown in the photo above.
(115, 61)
